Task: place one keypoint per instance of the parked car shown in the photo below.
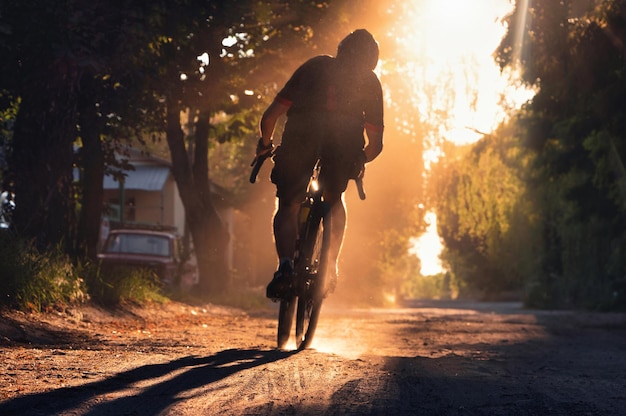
(159, 251)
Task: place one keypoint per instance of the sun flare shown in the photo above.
(451, 43)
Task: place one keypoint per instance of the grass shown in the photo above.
(36, 281)
(123, 284)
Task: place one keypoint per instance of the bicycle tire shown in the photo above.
(307, 316)
(286, 312)
(312, 270)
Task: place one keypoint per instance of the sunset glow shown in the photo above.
(428, 247)
(455, 40)
(462, 37)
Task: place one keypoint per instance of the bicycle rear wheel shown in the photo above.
(312, 273)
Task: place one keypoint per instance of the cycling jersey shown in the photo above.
(329, 107)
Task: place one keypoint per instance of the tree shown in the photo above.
(105, 74)
(46, 84)
(483, 216)
(573, 53)
(63, 74)
(104, 78)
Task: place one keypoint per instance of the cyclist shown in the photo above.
(329, 103)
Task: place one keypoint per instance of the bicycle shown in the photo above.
(310, 262)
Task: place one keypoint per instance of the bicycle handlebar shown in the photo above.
(257, 162)
(359, 187)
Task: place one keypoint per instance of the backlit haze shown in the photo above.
(441, 85)
(456, 38)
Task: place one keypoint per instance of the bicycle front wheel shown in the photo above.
(285, 319)
(307, 316)
(312, 272)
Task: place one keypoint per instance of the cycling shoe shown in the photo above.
(281, 285)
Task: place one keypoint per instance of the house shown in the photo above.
(148, 194)
(150, 198)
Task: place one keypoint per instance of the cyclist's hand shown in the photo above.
(360, 165)
(262, 149)
(262, 152)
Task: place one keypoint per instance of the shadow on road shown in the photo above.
(180, 376)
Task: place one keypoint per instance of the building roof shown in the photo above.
(143, 178)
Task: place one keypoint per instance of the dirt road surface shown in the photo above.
(428, 358)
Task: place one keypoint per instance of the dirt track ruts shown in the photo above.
(430, 358)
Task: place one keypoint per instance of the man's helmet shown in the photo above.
(359, 48)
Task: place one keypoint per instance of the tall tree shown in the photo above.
(228, 35)
(483, 218)
(573, 53)
(130, 67)
(46, 83)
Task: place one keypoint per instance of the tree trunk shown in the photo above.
(41, 161)
(207, 231)
(92, 162)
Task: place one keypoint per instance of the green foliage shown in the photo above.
(123, 284)
(394, 265)
(35, 281)
(573, 133)
(40, 281)
(482, 216)
(438, 286)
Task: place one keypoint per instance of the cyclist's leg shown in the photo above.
(285, 234)
(338, 227)
(338, 169)
(291, 173)
(286, 228)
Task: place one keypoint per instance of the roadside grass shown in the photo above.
(122, 284)
(428, 287)
(36, 281)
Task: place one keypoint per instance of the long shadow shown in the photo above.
(192, 372)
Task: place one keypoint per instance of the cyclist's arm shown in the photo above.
(269, 119)
(374, 124)
(374, 141)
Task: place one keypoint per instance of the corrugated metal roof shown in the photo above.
(143, 178)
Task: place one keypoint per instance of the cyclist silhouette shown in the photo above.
(329, 102)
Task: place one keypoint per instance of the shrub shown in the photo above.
(30, 280)
(40, 281)
(123, 284)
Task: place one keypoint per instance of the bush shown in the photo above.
(35, 281)
(439, 286)
(123, 284)
(39, 281)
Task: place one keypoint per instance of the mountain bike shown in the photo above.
(310, 262)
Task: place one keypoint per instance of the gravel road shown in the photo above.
(427, 358)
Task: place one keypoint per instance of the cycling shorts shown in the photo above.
(295, 158)
(292, 172)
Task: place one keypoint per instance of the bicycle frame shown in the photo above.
(310, 266)
(310, 262)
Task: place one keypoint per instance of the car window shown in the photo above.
(139, 244)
